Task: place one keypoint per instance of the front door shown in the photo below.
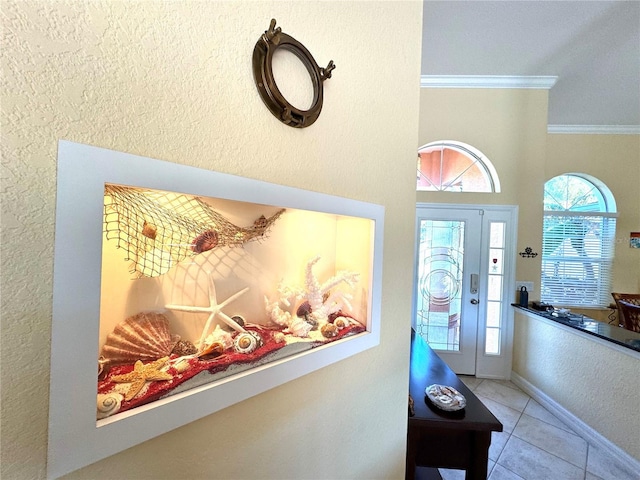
(464, 284)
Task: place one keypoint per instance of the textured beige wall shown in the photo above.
(600, 388)
(172, 80)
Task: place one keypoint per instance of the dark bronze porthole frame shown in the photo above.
(270, 41)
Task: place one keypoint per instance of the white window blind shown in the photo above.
(577, 253)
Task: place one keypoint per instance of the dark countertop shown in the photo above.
(612, 333)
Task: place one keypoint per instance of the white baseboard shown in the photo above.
(581, 428)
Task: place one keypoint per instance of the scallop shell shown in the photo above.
(145, 336)
(108, 404)
(247, 342)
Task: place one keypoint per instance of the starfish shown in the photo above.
(142, 374)
(214, 309)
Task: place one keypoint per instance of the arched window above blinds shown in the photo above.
(452, 166)
(578, 241)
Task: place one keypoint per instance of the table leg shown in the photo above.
(479, 456)
(412, 448)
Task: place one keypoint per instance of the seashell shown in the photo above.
(261, 222)
(329, 330)
(182, 365)
(341, 322)
(213, 350)
(221, 336)
(149, 230)
(300, 328)
(304, 309)
(184, 347)
(205, 241)
(239, 319)
(108, 404)
(279, 337)
(101, 363)
(144, 336)
(247, 342)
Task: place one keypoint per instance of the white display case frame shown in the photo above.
(75, 439)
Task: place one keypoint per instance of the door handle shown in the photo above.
(474, 284)
(474, 301)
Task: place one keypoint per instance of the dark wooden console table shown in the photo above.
(436, 438)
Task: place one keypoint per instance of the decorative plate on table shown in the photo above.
(445, 397)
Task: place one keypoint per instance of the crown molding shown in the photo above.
(487, 81)
(595, 129)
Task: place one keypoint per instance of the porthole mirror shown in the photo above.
(273, 42)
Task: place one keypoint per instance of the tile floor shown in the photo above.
(534, 444)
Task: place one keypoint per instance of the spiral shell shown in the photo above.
(329, 330)
(341, 322)
(145, 336)
(247, 342)
(108, 404)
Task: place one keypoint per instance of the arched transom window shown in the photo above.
(452, 166)
(577, 241)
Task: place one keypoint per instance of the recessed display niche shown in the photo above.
(180, 291)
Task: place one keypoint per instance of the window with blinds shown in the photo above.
(578, 242)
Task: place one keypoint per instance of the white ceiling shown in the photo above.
(592, 47)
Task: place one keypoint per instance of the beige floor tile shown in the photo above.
(534, 409)
(607, 468)
(554, 440)
(498, 441)
(508, 416)
(500, 393)
(533, 463)
(501, 473)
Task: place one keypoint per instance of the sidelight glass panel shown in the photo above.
(495, 283)
(438, 308)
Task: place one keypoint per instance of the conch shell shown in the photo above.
(299, 327)
(145, 336)
(219, 336)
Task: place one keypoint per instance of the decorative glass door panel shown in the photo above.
(440, 283)
(447, 284)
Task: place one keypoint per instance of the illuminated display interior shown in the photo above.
(195, 289)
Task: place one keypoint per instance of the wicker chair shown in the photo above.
(630, 301)
(631, 314)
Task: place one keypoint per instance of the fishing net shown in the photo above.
(159, 228)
